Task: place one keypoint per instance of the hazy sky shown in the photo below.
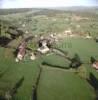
(45, 3)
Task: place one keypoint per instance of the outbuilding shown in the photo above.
(95, 65)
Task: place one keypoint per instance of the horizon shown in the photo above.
(52, 7)
(8, 4)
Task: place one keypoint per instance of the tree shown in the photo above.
(92, 59)
(75, 61)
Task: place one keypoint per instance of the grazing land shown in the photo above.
(63, 73)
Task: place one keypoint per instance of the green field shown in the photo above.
(54, 83)
(12, 73)
(50, 76)
(50, 21)
(56, 61)
(84, 47)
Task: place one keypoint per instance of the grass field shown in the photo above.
(12, 73)
(84, 47)
(44, 21)
(53, 82)
(56, 84)
(56, 61)
(49, 77)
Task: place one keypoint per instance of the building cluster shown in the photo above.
(44, 45)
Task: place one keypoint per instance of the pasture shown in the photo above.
(57, 84)
(49, 77)
(84, 47)
(56, 80)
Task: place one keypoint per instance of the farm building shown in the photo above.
(21, 51)
(68, 32)
(88, 37)
(95, 65)
(43, 46)
(32, 57)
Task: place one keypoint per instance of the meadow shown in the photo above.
(50, 76)
(56, 81)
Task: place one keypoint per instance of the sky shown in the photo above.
(45, 3)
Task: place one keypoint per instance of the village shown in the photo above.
(46, 45)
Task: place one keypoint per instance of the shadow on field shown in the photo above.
(4, 41)
(16, 87)
(36, 85)
(10, 95)
(54, 66)
(93, 81)
(35, 94)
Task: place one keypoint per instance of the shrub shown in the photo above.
(75, 61)
(92, 60)
(81, 71)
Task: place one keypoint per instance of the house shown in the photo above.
(68, 32)
(21, 51)
(95, 65)
(53, 37)
(43, 50)
(43, 46)
(88, 37)
(32, 57)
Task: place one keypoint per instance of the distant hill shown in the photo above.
(78, 8)
(19, 10)
(44, 10)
